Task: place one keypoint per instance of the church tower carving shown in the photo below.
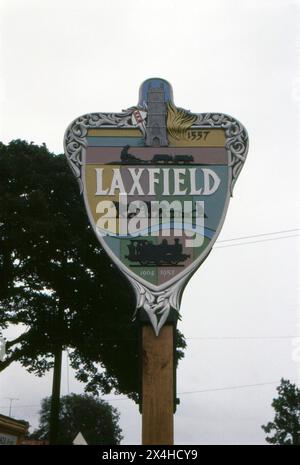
(156, 129)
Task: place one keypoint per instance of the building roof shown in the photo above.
(12, 426)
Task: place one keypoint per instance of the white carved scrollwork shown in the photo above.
(75, 141)
(237, 141)
(157, 304)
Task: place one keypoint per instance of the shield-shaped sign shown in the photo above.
(156, 182)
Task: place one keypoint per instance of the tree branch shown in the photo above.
(21, 338)
(14, 357)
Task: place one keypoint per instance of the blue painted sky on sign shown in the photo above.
(155, 83)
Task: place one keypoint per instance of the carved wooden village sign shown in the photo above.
(156, 182)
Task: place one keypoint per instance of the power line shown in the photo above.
(255, 242)
(225, 388)
(240, 337)
(205, 338)
(208, 338)
(21, 406)
(228, 388)
(259, 235)
(211, 338)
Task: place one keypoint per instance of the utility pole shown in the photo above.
(11, 399)
(296, 438)
(55, 398)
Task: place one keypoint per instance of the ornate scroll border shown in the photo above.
(157, 304)
(237, 141)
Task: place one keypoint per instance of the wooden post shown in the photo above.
(157, 386)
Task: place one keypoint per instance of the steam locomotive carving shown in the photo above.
(128, 158)
(165, 158)
(146, 253)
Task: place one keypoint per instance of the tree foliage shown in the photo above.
(97, 420)
(56, 280)
(285, 428)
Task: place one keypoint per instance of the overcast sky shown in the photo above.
(61, 59)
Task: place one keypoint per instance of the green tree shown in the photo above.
(285, 428)
(94, 418)
(55, 279)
